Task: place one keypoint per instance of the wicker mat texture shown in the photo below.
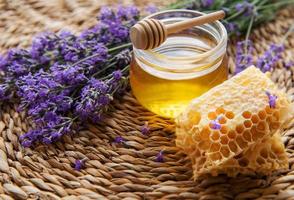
(120, 171)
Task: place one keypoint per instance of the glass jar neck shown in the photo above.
(187, 54)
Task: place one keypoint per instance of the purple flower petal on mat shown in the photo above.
(145, 129)
(79, 164)
(119, 139)
(271, 99)
(159, 157)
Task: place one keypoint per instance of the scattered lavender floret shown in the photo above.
(119, 139)
(159, 156)
(271, 99)
(246, 7)
(215, 125)
(145, 129)
(267, 61)
(79, 164)
(244, 57)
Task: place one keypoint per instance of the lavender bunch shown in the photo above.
(239, 13)
(64, 79)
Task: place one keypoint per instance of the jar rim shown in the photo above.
(222, 42)
(167, 66)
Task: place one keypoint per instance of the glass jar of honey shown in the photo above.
(165, 79)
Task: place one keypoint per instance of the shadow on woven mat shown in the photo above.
(128, 170)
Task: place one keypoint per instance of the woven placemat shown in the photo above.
(129, 170)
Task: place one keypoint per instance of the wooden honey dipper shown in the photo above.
(150, 33)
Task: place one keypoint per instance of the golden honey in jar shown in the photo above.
(165, 79)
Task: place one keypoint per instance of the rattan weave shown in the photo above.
(120, 171)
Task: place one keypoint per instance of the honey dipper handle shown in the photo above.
(179, 26)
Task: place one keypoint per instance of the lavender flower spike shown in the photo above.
(267, 61)
(245, 7)
(271, 99)
(244, 57)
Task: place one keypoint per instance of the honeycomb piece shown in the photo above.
(262, 158)
(230, 120)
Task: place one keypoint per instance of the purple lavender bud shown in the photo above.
(117, 75)
(134, 12)
(270, 58)
(215, 125)
(106, 13)
(104, 100)
(159, 157)
(3, 63)
(123, 58)
(119, 139)
(145, 129)
(207, 3)
(232, 27)
(271, 99)
(288, 65)
(3, 92)
(151, 8)
(56, 136)
(79, 164)
(46, 140)
(245, 7)
(26, 143)
(244, 57)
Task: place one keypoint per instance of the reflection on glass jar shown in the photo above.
(187, 64)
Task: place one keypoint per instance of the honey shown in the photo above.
(164, 80)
